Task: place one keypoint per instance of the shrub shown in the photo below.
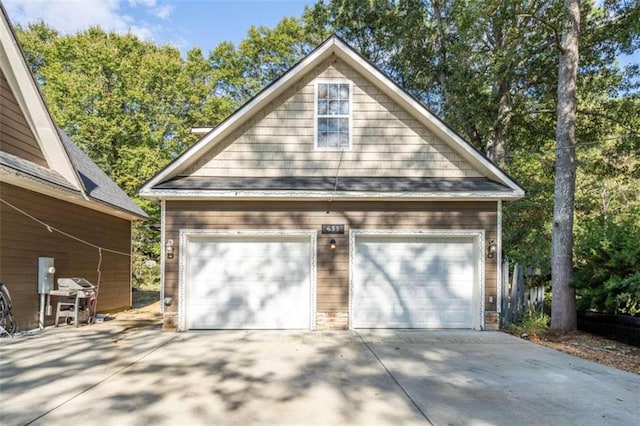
(533, 324)
(607, 278)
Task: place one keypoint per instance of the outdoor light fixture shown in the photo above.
(169, 249)
(492, 249)
(332, 244)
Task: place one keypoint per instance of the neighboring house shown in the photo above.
(332, 199)
(48, 187)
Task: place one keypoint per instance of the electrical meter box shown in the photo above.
(46, 271)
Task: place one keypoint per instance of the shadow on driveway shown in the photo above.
(110, 374)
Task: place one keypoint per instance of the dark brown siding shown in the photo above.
(15, 135)
(333, 267)
(23, 240)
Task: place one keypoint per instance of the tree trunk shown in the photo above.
(497, 147)
(563, 306)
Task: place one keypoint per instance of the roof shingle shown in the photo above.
(343, 184)
(96, 183)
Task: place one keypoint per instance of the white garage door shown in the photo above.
(413, 282)
(249, 282)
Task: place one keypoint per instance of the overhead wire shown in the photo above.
(580, 144)
(100, 249)
(66, 234)
(597, 142)
(335, 183)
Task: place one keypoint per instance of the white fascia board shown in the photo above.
(163, 221)
(499, 272)
(328, 195)
(241, 116)
(23, 85)
(64, 194)
(398, 95)
(201, 130)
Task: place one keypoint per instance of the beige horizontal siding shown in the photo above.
(386, 139)
(332, 266)
(331, 157)
(321, 170)
(16, 137)
(22, 241)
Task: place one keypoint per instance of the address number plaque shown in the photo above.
(333, 229)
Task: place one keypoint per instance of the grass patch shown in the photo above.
(143, 298)
(146, 286)
(532, 325)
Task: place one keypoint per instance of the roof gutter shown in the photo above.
(73, 196)
(333, 195)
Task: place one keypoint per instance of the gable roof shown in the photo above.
(158, 187)
(70, 173)
(96, 184)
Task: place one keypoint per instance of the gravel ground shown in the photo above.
(146, 313)
(595, 348)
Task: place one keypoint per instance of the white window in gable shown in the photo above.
(333, 116)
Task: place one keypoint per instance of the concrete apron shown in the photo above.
(124, 376)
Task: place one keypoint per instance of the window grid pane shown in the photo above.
(322, 91)
(333, 115)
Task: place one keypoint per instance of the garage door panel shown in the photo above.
(240, 316)
(413, 282)
(249, 282)
(261, 294)
(411, 288)
(419, 319)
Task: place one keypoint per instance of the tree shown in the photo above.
(259, 59)
(607, 275)
(563, 307)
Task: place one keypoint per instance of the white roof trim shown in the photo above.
(201, 130)
(333, 45)
(28, 95)
(330, 195)
(69, 195)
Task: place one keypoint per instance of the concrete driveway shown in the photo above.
(111, 374)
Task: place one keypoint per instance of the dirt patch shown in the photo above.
(594, 348)
(145, 311)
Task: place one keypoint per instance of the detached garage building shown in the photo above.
(332, 199)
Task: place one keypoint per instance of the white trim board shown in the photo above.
(163, 254)
(478, 237)
(188, 235)
(499, 282)
(61, 193)
(177, 194)
(31, 102)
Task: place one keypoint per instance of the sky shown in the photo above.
(181, 23)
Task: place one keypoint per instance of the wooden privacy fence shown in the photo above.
(516, 297)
